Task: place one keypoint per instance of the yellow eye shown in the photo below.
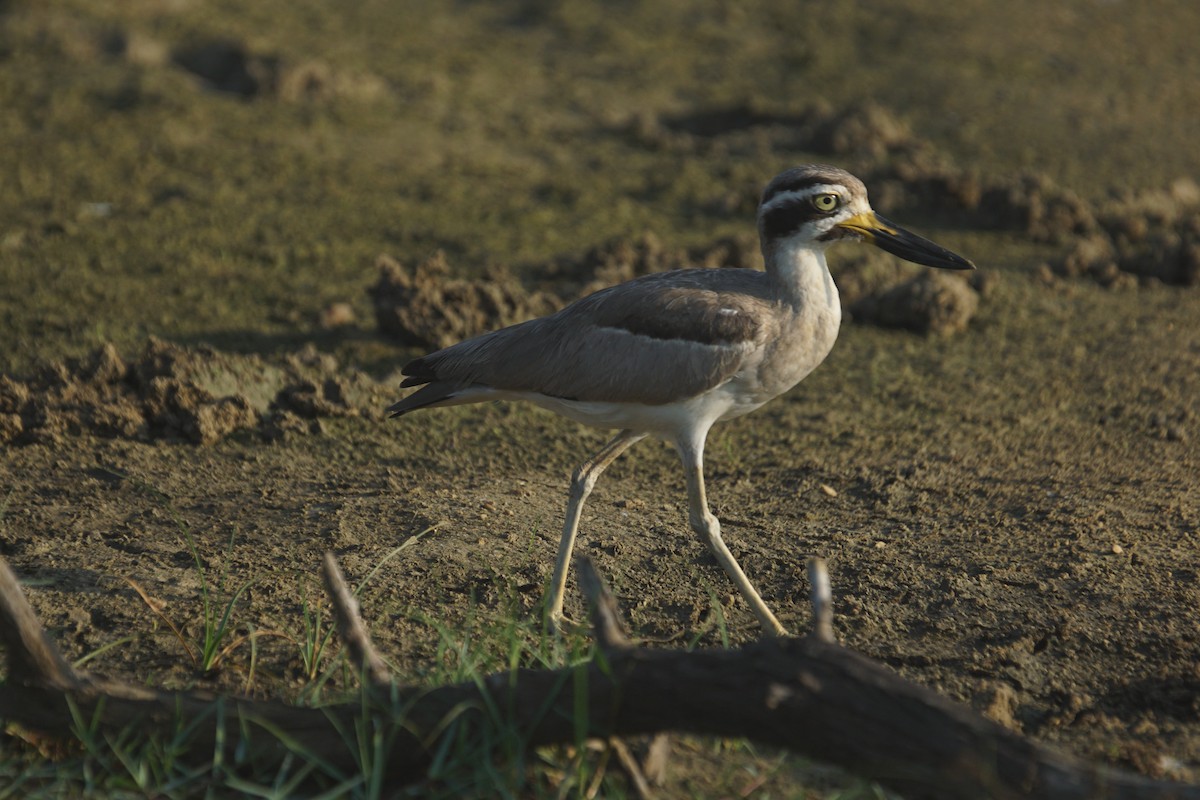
(825, 202)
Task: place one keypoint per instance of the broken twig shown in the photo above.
(350, 625)
(822, 599)
(606, 618)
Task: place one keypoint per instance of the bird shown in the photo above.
(670, 354)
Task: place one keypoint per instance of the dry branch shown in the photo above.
(822, 599)
(32, 656)
(606, 618)
(808, 695)
(350, 624)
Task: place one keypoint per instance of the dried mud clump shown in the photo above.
(1028, 204)
(315, 398)
(867, 130)
(952, 193)
(1149, 235)
(932, 302)
(425, 307)
(1034, 206)
(155, 397)
(173, 393)
(13, 398)
(1152, 235)
(1095, 257)
(615, 261)
(866, 272)
(227, 65)
(196, 416)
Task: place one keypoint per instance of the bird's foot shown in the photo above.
(565, 626)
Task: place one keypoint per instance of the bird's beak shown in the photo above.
(899, 242)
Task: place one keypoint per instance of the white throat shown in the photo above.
(802, 275)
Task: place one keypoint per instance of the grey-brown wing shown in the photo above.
(653, 340)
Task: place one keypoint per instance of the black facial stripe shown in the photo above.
(799, 184)
(787, 218)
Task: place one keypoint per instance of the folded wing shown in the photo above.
(654, 340)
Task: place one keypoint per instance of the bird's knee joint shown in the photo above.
(582, 482)
(705, 524)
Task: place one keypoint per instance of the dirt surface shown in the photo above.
(223, 229)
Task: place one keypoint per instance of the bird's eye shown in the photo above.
(825, 202)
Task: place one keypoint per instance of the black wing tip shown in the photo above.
(425, 397)
(399, 409)
(418, 372)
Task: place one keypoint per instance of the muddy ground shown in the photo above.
(224, 227)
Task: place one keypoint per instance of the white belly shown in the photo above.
(668, 421)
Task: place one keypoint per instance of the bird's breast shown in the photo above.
(804, 337)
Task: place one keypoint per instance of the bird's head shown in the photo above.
(816, 205)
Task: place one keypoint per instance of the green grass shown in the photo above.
(220, 634)
(471, 761)
(308, 668)
(217, 620)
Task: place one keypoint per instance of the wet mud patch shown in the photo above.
(174, 393)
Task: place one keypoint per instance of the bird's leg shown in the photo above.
(582, 482)
(709, 528)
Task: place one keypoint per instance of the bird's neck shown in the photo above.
(801, 276)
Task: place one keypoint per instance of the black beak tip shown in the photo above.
(917, 249)
(923, 251)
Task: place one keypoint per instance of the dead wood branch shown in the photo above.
(822, 599)
(807, 695)
(350, 624)
(606, 618)
(32, 656)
